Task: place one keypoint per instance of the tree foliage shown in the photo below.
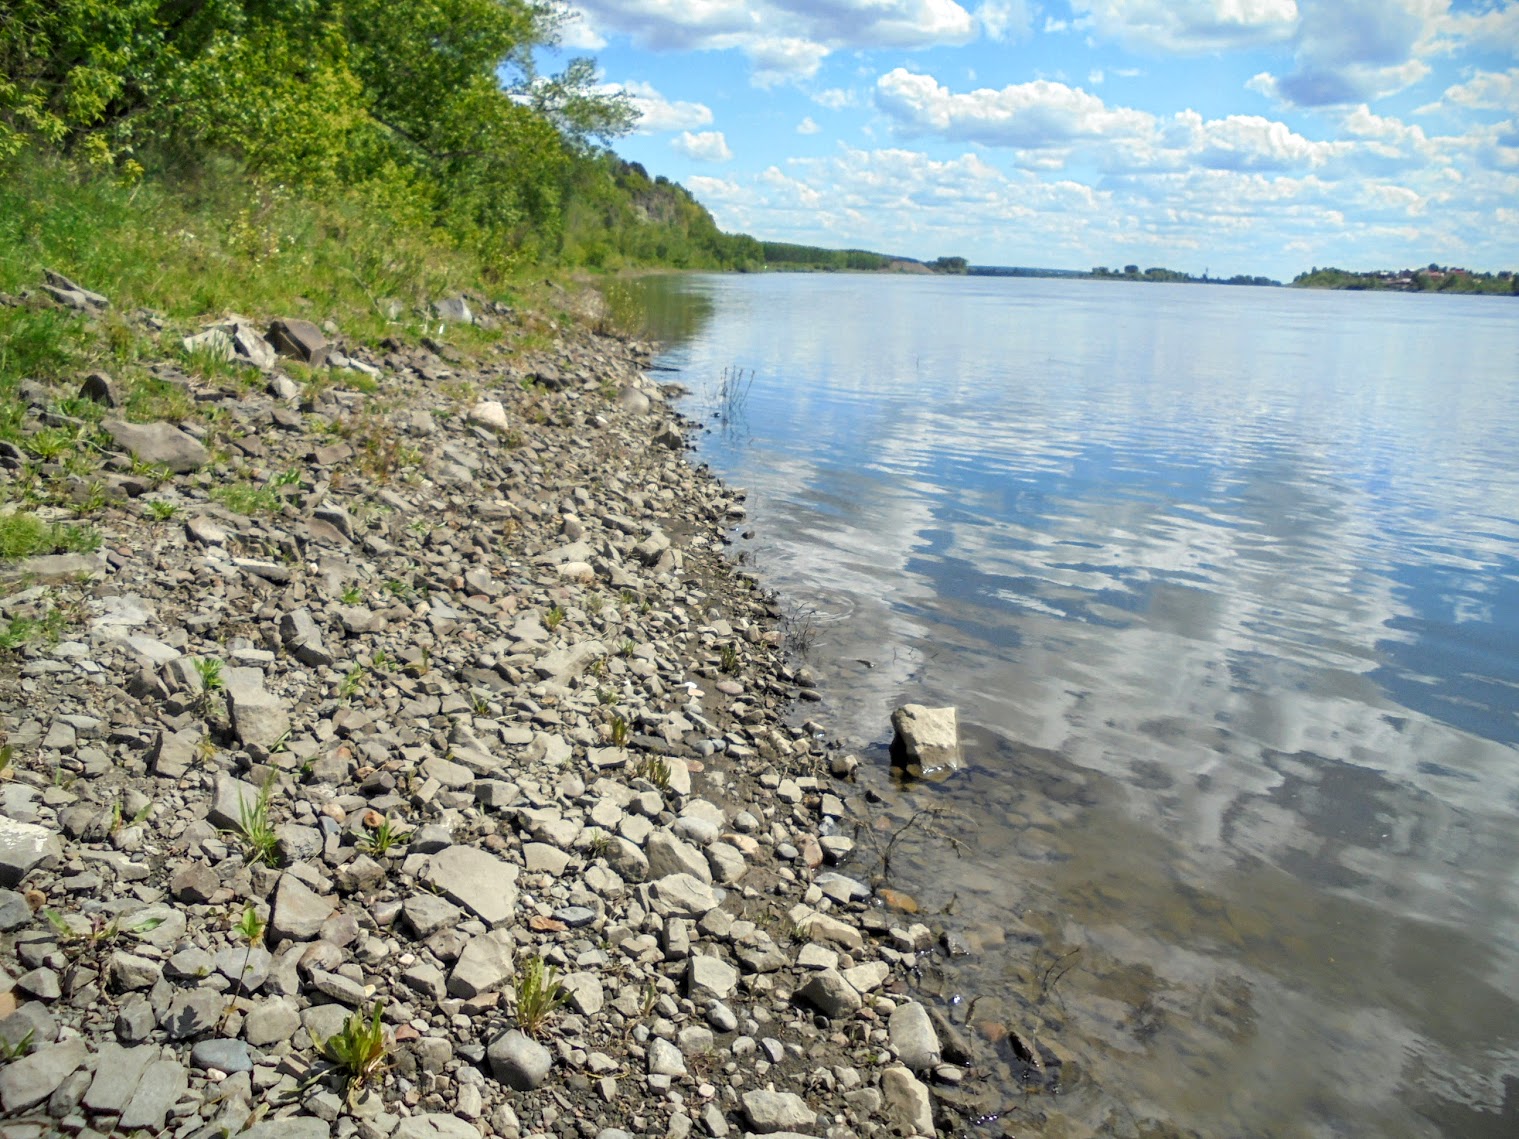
(430, 111)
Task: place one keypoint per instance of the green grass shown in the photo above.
(538, 992)
(24, 535)
(260, 843)
(359, 1050)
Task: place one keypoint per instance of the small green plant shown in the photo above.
(161, 511)
(24, 535)
(381, 661)
(594, 602)
(209, 669)
(7, 757)
(9, 1051)
(598, 842)
(400, 589)
(606, 696)
(553, 618)
(620, 733)
(353, 682)
(250, 926)
(626, 649)
(728, 659)
(358, 1050)
(19, 631)
(384, 836)
(260, 843)
(352, 595)
(626, 597)
(245, 498)
(539, 993)
(290, 476)
(654, 769)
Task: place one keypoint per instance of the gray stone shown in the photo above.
(913, 1036)
(927, 739)
(301, 635)
(117, 1072)
(491, 415)
(455, 309)
(14, 912)
(28, 1081)
(427, 913)
(232, 801)
(222, 1056)
(563, 665)
(665, 1059)
(727, 863)
(710, 978)
(435, 1125)
(299, 911)
(295, 1127)
(518, 1061)
(23, 848)
(485, 964)
(627, 860)
(245, 966)
(344, 990)
(212, 342)
(192, 1013)
(258, 716)
(669, 855)
(98, 387)
(830, 994)
(681, 895)
(160, 443)
(769, 1112)
(908, 1106)
(585, 993)
(476, 880)
(270, 1022)
(134, 1019)
(299, 340)
(128, 971)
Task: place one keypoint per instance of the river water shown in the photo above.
(1224, 583)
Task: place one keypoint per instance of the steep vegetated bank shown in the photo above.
(428, 117)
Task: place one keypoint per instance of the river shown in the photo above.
(1224, 583)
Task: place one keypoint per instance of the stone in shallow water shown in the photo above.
(927, 739)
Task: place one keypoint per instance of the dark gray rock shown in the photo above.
(222, 1056)
(300, 340)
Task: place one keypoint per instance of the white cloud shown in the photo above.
(703, 146)
(1095, 77)
(656, 114)
(1188, 26)
(1487, 91)
(1355, 51)
(1494, 29)
(836, 99)
(1027, 115)
(1006, 19)
(784, 39)
(807, 126)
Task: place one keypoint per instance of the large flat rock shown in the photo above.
(480, 882)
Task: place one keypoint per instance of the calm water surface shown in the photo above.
(1225, 584)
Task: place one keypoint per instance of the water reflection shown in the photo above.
(1226, 585)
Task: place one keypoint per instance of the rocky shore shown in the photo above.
(410, 704)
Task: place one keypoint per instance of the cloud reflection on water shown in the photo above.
(1232, 552)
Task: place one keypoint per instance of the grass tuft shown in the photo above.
(538, 992)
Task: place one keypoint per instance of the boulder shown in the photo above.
(927, 740)
(23, 847)
(161, 443)
(519, 1061)
(299, 340)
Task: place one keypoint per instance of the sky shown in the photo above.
(1226, 136)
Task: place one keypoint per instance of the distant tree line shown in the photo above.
(1432, 279)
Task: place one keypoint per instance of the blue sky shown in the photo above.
(1236, 136)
